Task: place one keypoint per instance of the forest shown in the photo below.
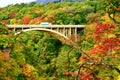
(36, 55)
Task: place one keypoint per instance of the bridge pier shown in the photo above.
(57, 29)
(64, 31)
(14, 29)
(70, 31)
(75, 34)
(22, 28)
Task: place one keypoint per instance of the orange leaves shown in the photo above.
(4, 21)
(27, 70)
(73, 74)
(43, 18)
(84, 57)
(30, 72)
(35, 21)
(26, 19)
(97, 49)
(118, 8)
(87, 76)
(4, 54)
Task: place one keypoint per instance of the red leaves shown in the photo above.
(102, 28)
(111, 43)
(106, 45)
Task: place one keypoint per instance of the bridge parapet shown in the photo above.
(46, 26)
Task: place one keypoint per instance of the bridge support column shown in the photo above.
(57, 29)
(14, 29)
(64, 30)
(22, 28)
(51, 27)
(75, 34)
(69, 31)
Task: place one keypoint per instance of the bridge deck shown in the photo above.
(46, 26)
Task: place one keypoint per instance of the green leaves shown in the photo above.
(4, 16)
(3, 29)
(67, 61)
(4, 41)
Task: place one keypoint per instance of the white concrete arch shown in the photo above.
(64, 39)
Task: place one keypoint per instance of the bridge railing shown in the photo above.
(45, 26)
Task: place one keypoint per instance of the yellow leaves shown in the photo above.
(89, 30)
(38, 11)
(80, 62)
(109, 35)
(118, 77)
(106, 19)
(28, 15)
(117, 16)
(91, 27)
(112, 15)
(118, 66)
(113, 52)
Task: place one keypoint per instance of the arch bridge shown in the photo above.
(61, 32)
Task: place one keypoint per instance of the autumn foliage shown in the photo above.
(37, 56)
(12, 15)
(101, 29)
(26, 19)
(106, 44)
